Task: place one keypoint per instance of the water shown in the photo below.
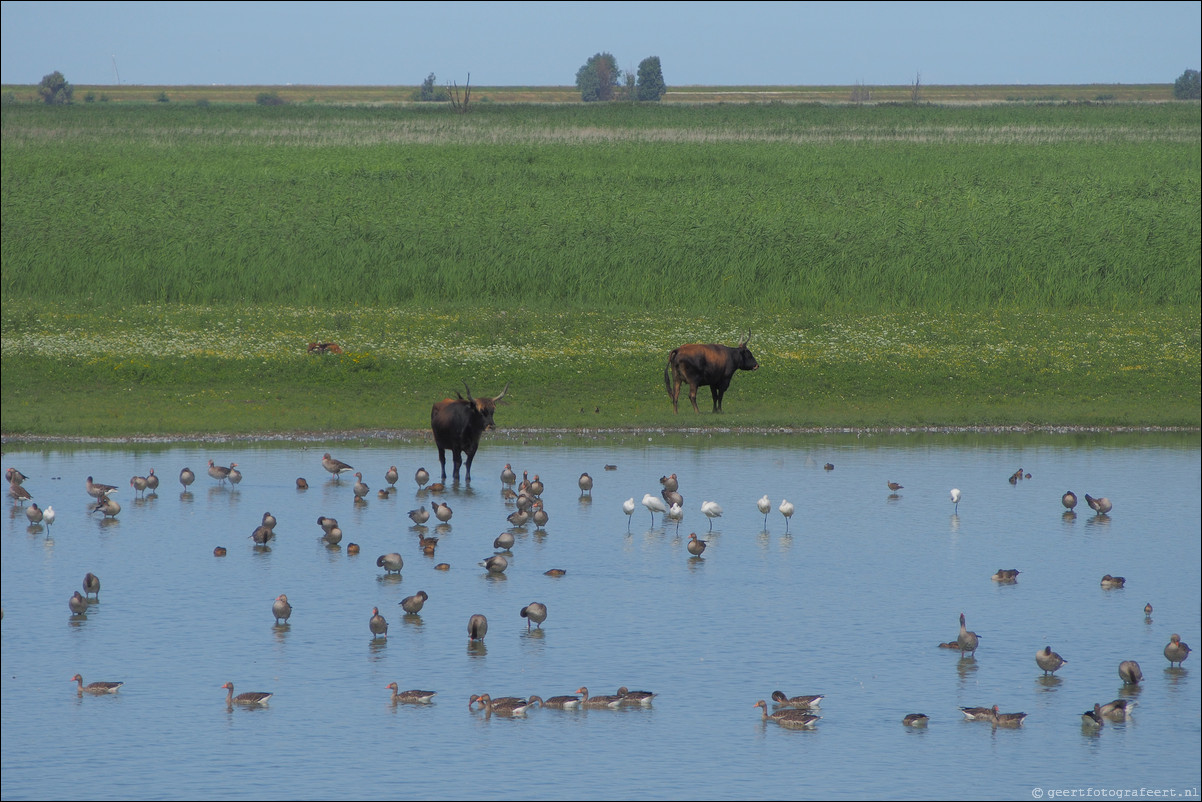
(850, 603)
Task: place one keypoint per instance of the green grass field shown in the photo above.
(164, 265)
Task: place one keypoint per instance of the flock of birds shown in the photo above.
(795, 712)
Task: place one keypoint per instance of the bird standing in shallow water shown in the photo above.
(48, 516)
(654, 505)
(219, 472)
(1101, 506)
(360, 489)
(91, 585)
(696, 547)
(477, 627)
(711, 510)
(508, 477)
(496, 564)
(955, 501)
(78, 604)
(786, 509)
(377, 623)
(391, 563)
(34, 514)
(1176, 651)
(419, 516)
(391, 475)
(412, 605)
(628, 508)
(1069, 500)
(764, 506)
(186, 477)
(967, 640)
(441, 511)
(335, 466)
(1048, 660)
(280, 608)
(534, 612)
(894, 486)
(421, 476)
(585, 482)
(1130, 673)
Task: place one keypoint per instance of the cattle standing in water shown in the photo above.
(699, 365)
(457, 425)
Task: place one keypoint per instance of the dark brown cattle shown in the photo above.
(699, 365)
(457, 424)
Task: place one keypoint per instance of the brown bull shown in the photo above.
(457, 424)
(699, 365)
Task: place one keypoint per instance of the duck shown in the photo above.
(556, 702)
(410, 697)
(391, 563)
(695, 546)
(830, 466)
(1093, 718)
(1100, 506)
(96, 490)
(34, 514)
(186, 477)
(894, 486)
(977, 713)
(916, 720)
(280, 608)
(427, 544)
(598, 701)
(377, 624)
(788, 717)
(585, 483)
(966, 640)
(220, 472)
(555, 572)
(630, 697)
(220, 551)
(302, 483)
(477, 627)
(802, 702)
(391, 475)
(1048, 660)
(955, 499)
(360, 489)
(508, 477)
(412, 605)
(1176, 651)
(1069, 500)
(535, 612)
(335, 466)
(503, 541)
(248, 698)
(711, 510)
(764, 506)
(786, 509)
(1006, 575)
(352, 548)
(442, 512)
(503, 707)
(654, 505)
(419, 516)
(495, 564)
(96, 688)
(443, 567)
(1130, 673)
(1113, 582)
(1147, 608)
(91, 585)
(139, 484)
(327, 524)
(1118, 710)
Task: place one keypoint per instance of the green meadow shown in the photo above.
(165, 265)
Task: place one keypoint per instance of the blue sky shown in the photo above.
(543, 44)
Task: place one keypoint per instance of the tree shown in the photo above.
(651, 79)
(429, 92)
(55, 90)
(598, 78)
(1188, 86)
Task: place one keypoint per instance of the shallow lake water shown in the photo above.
(851, 601)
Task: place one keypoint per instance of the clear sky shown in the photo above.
(544, 44)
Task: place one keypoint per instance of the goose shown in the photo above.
(91, 585)
(1176, 651)
(503, 707)
(967, 640)
(410, 697)
(630, 697)
(360, 489)
(14, 477)
(508, 477)
(262, 534)
(598, 701)
(106, 505)
(280, 608)
(19, 493)
(539, 515)
(695, 546)
(711, 510)
(894, 486)
(1130, 673)
(504, 541)
(534, 612)
(1118, 710)
(377, 624)
(536, 486)
(1048, 660)
(186, 477)
(96, 688)
(1007, 719)
(1006, 575)
(1113, 582)
(916, 720)
(235, 476)
(152, 481)
(220, 472)
(34, 514)
(495, 564)
(391, 562)
(335, 466)
(391, 476)
(585, 482)
(269, 520)
(802, 702)
(654, 505)
(788, 717)
(786, 509)
(500, 700)
(412, 605)
(671, 497)
(248, 698)
(670, 482)
(78, 604)
(477, 627)
(556, 702)
(139, 484)
(96, 490)
(764, 506)
(1100, 506)
(419, 516)
(955, 496)
(441, 511)
(1069, 500)
(421, 476)
(628, 508)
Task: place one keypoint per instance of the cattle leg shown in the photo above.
(717, 394)
(458, 458)
(693, 397)
(471, 455)
(442, 460)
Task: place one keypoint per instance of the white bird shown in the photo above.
(786, 509)
(675, 513)
(654, 505)
(956, 499)
(764, 506)
(711, 510)
(628, 508)
(48, 516)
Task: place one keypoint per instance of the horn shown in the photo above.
(503, 392)
(469, 392)
(743, 341)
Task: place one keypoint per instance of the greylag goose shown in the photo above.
(1007, 719)
(671, 497)
(410, 697)
(220, 472)
(695, 546)
(419, 516)
(1093, 718)
(539, 515)
(1101, 506)
(235, 475)
(477, 627)
(96, 490)
(14, 477)
(556, 702)
(91, 585)
(19, 493)
(377, 623)
(441, 511)
(1069, 500)
(1118, 710)
(977, 713)
(788, 716)
(360, 489)
(496, 564)
(916, 720)
(504, 541)
(412, 605)
(598, 701)
(630, 697)
(280, 608)
(1130, 673)
(585, 482)
(966, 640)
(508, 477)
(95, 687)
(518, 518)
(1176, 651)
(670, 482)
(536, 486)
(139, 484)
(248, 698)
(261, 534)
(269, 520)
(1048, 660)
(152, 481)
(391, 563)
(801, 702)
(107, 506)
(186, 477)
(392, 475)
(34, 514)
(535, 612)
(503, 707)
(336, 467)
